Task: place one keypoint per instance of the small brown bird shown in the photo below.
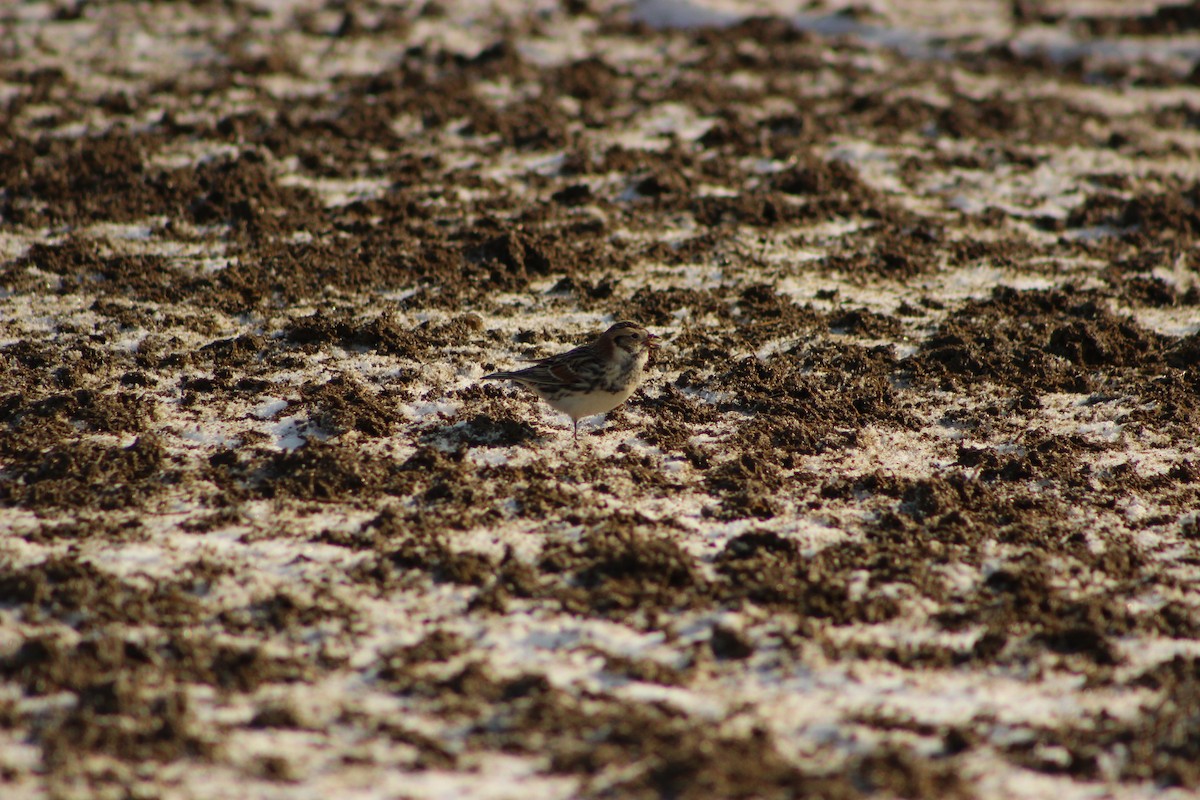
(592, 379)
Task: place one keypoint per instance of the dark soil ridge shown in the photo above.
(1051, 432)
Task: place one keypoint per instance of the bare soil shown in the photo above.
(908, 506)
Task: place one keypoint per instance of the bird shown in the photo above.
(591, 379)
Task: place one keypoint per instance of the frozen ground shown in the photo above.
(908, 506)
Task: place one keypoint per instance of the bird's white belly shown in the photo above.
(597, 402)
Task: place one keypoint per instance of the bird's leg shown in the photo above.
(576, 435)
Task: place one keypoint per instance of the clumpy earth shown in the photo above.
(907, 507)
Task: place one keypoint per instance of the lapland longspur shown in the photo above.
(591, 379)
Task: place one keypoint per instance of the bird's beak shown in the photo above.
(652, 341)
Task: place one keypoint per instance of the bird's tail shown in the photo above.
(500, 376)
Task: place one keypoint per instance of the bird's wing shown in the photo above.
(565, 370)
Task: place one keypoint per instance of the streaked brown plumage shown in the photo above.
(591, 379)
